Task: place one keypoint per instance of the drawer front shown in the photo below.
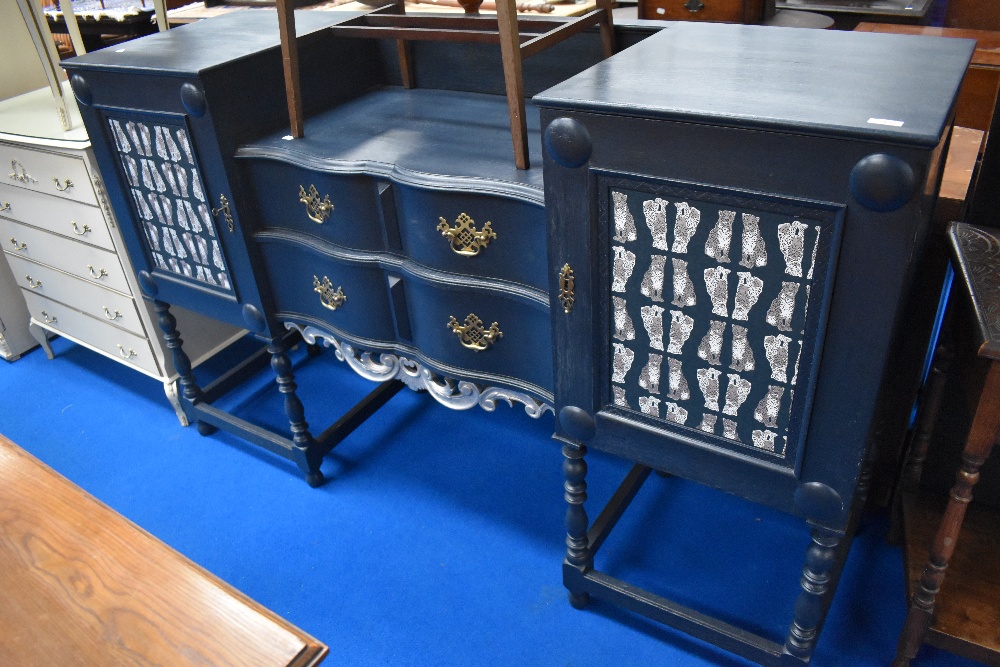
(492, 237)
(342, 209)
(305, 281)
(523, 351)
(116, 343)
(62, 175)
(83, 261)
(730, 11)
(84, 296)
(60, 216)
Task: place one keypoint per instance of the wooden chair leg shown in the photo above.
(982, 435)
(510, 51)
(607, 29)
(290, 65)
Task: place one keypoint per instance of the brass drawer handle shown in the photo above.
(48, 319)
(694, 6)
(81, 231)
(60, 187)
(96, 275)
(473, 335)
(317, 210)
(226, 213)
(328, 296)
(464, 237)
(5, 207)
(32, 283)
(567, 288)
(112, 316)
(20, 174)
(18, 245)
(126, 354)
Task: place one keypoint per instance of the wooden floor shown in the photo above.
(81, 585)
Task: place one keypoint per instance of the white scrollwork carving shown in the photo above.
(457, 395)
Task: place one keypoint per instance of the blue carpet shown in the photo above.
(439, 538)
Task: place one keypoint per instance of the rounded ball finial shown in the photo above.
(882, 182)
(568, 142)
(193, 100)
(81, 89)
(148, 285)
(577, 423)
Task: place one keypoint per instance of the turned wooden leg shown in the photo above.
(578, 553)
(308, 455)
(190, 391)
(813, 602)
(982, 435)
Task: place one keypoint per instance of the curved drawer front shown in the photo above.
(522, 350)
(79, 259)
(515, 250)
(352, 297)
(60, 216)
(342, 209)
(116, 343)
(85, 296)
(52, 173)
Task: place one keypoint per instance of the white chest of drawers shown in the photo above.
(62, 245)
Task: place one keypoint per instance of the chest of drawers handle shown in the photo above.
(48, 319)
(112, 316)
(5, 207)
(80, 231)
(20, 174)
(694, 6)
(328, 296)
(60, 187)
(465, 239)
(19, 246)
(126, 354)
(473, 334)
(96, 275)
(32, 283)
(227, 214)
(317, 210)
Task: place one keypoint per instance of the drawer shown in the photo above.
(79, 259)
(80, 294)
(728, 11)
(517, 253)
(344, 209)
(524, 351)
(116, 343)
(301, 278)
(59, 174)
(60, 216)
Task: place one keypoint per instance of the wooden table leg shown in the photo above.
(982, 435)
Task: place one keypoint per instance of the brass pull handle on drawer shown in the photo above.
(318, 210)
(465, 239)
(126, 354)
(20, 174)
(19, 246)
(60, 187)
(226, 213)
(112, 316)
(473, 334)
(5, 207)
(80, 231)
(96, 275)
(32, 283)
(694, 6)
(48, 319)
(328, 296)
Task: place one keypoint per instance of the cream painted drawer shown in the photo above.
(62, 175)
(111, 340)
(79, 259)
(80, 294)
(64, 217)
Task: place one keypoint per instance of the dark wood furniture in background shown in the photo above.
(958, 612)
(725, 11)
(972, 15)
(849, 13)
(82, 585)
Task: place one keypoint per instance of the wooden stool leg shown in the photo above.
(308, 453)
(510, 52)
(813, 601)
(982, 435)
(578, 553)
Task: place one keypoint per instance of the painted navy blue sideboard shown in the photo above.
(703, 270)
